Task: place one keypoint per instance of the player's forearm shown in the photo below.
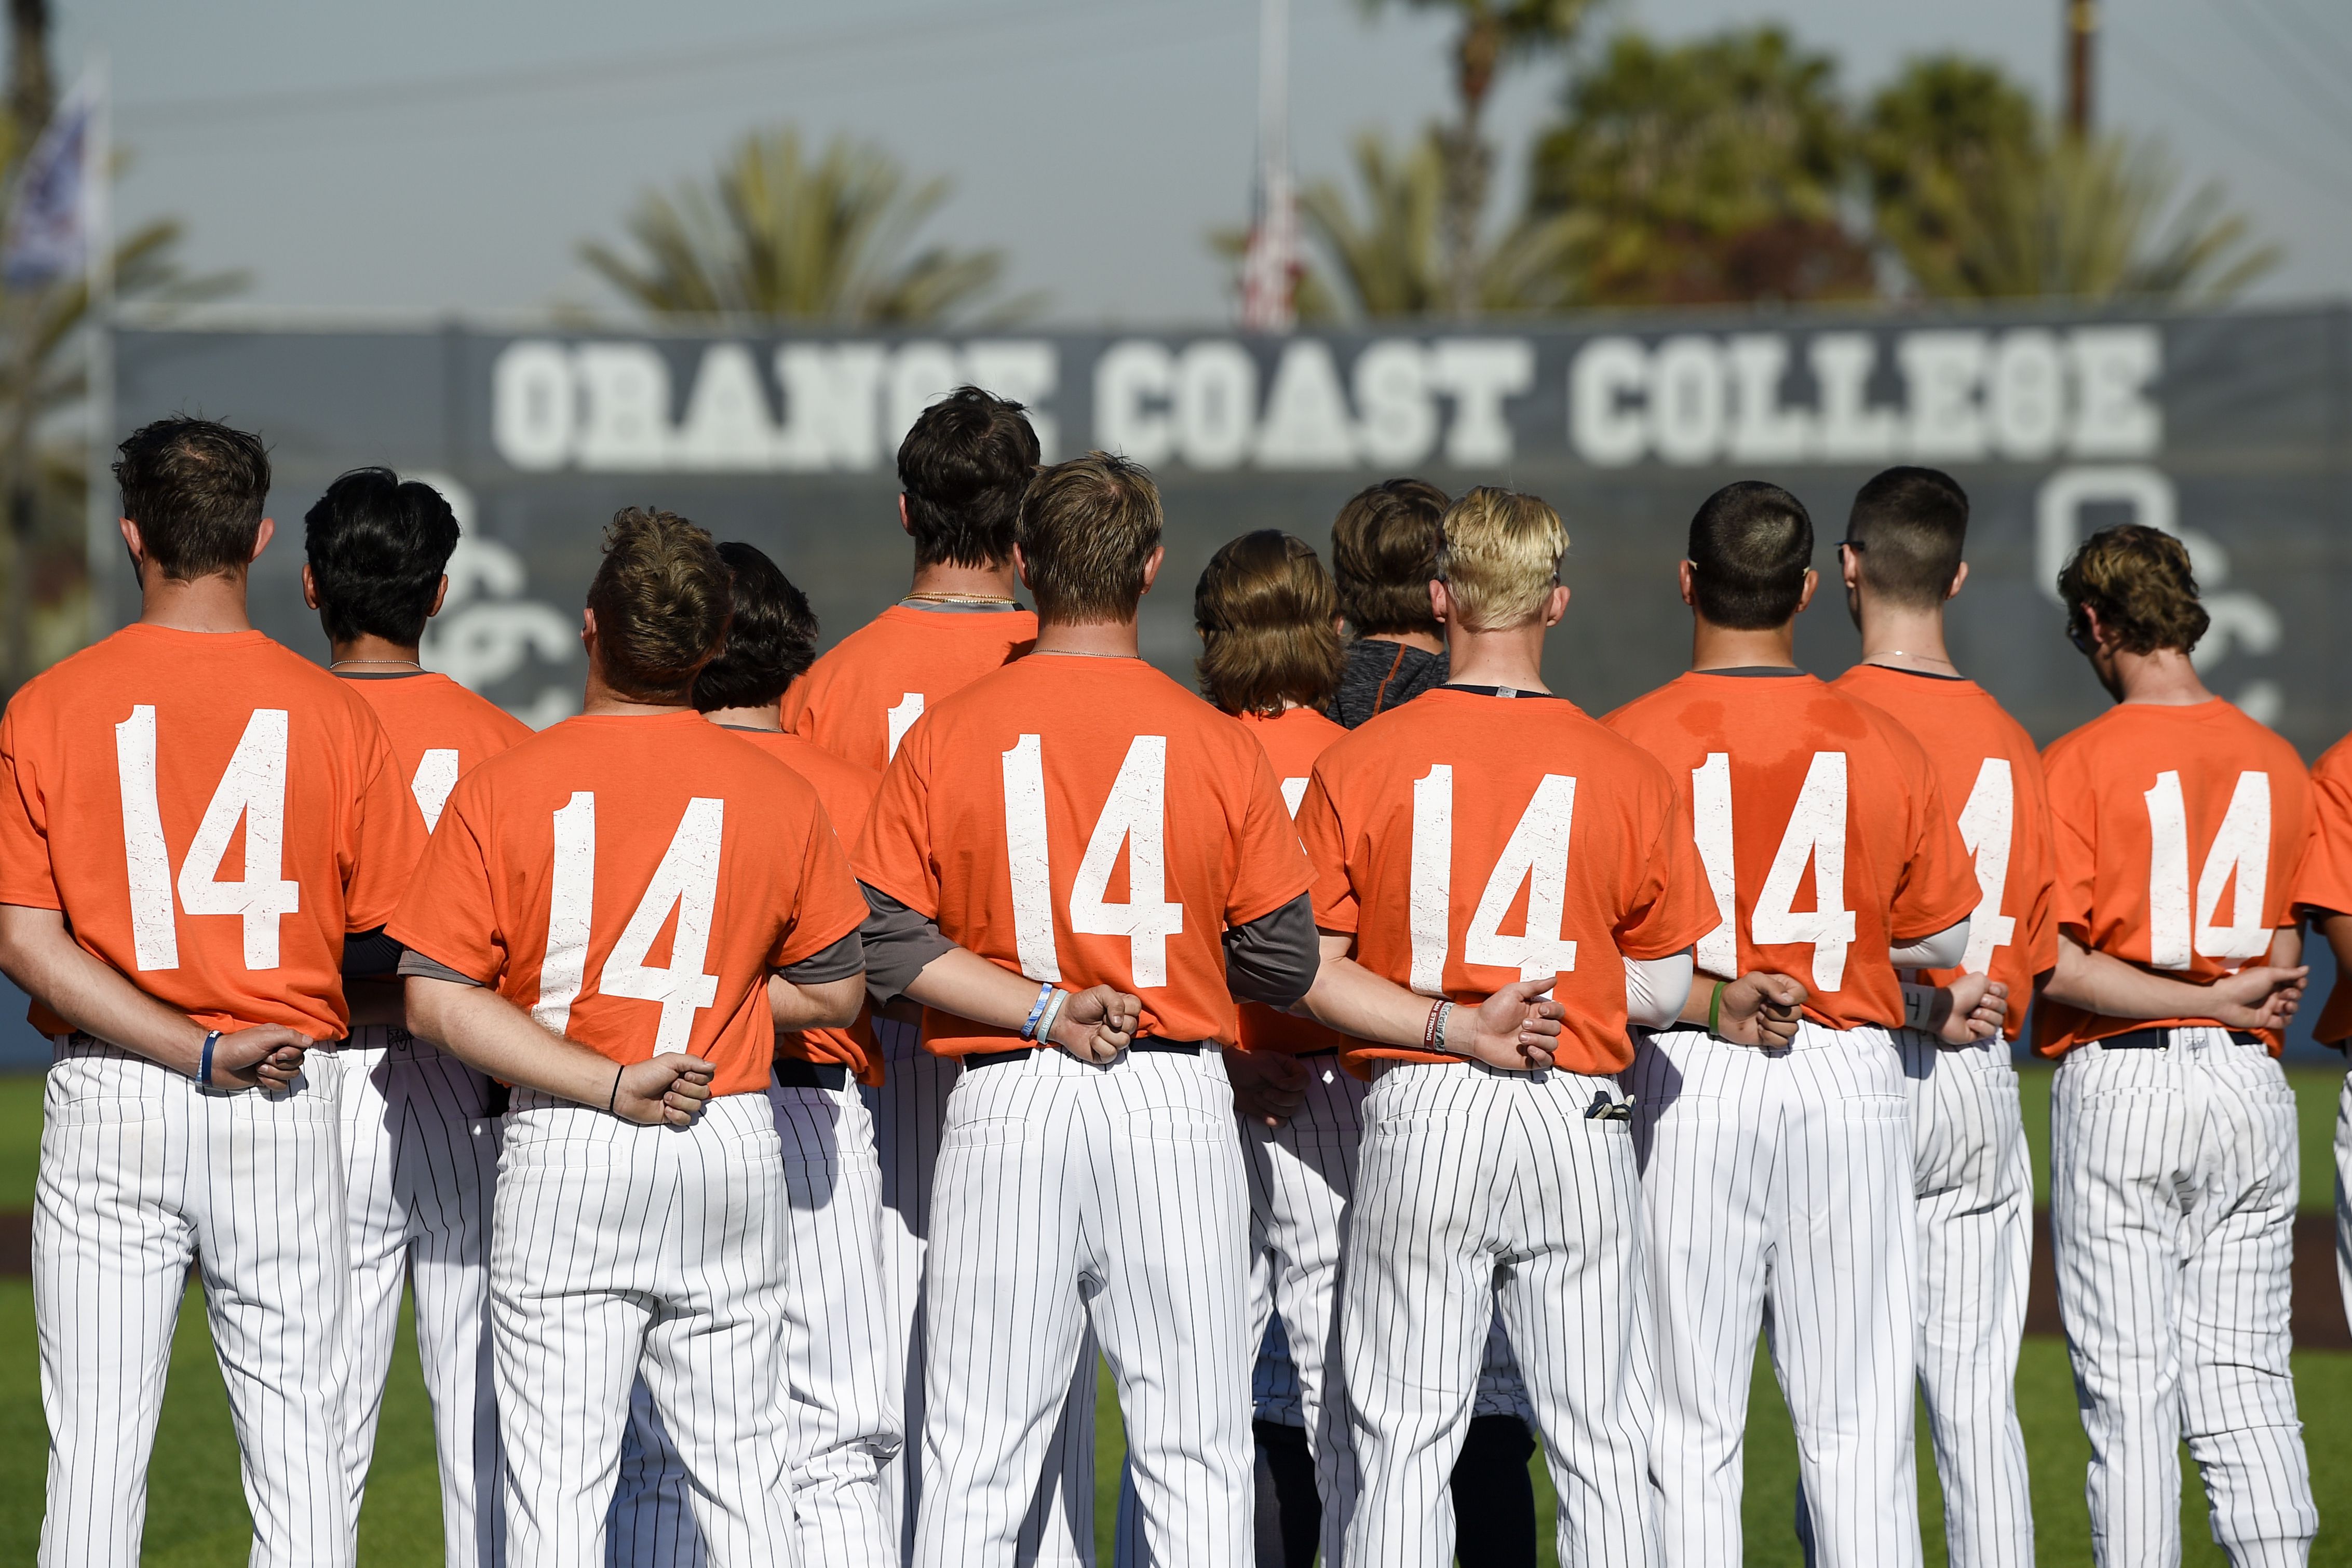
(819, 1005)
(1350, 998)
(2103, 984)
(961, 982)
(41, 957)
(492, 1034)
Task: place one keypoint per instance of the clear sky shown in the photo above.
(449, 155)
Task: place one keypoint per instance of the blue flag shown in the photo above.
(51, 221)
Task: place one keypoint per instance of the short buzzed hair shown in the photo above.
(662, 598)
(1750, 546)
(770, 634)
(1384, 547)
(2140, 582)
(1908, 527)
(1087, 529)
(1501, 559)
(196, 487)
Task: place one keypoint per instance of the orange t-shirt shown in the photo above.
(439, 732)
(1991, 774)
(632, 883)
(2163, 817)
(2324, 882)
(1090, 822)
(1467, 840)
(1292, 739)
(1824, 834)
(859, 700)
(213, 814)
(846, 791)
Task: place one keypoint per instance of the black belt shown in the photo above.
(793, 1073)
(2161, 1040)
(991, 1059)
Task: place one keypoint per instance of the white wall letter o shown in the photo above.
(532, 408)
(1216, 402)
(1607, 383)
(1687, 398)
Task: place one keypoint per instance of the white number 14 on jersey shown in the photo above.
(1135, 814)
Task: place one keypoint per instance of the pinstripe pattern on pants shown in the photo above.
(1477, 1188)
(420, 1164)
(840, 1391)
(2343, 1194)
(143, 1172)
(2173, 1188)
(1777, 1192)
(617, 1252)
(909, 1114)
(1070, 1195)
(1974, 1186)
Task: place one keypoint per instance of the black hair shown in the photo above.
(1750, 546)
(377, 546)
(965, 468)
(1910, 526)
(196, 488)
(769, 642)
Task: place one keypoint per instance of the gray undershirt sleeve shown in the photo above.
(899, 944)
(415, 965)
(838, 961)
(1273, 958)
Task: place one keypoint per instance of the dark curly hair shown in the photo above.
(2140, 583)
(771, 640)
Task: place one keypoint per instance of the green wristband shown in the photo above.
(1714, 1007)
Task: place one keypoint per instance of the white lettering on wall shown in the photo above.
(840, 406)
(2026, 395)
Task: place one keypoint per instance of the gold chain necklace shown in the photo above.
(954, 599)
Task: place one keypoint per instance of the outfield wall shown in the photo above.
(2229, 429)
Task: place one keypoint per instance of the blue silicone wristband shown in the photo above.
(1045, 994)
(205, 1067)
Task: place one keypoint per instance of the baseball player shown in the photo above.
(1502, 885)
(2178, 824)
(617, 917)
(2323, 893)
(840, 1387)
(199, 832)
(419, 1139)
(1901, 561)
(962, 468)
(1777, 1183)
(1076, 822)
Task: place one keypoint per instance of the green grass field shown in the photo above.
(196, 1514)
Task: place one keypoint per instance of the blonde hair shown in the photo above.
(1266, 610)
(1501, 557)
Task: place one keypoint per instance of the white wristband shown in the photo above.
(1050, 1016)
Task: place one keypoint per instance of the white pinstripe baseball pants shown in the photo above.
(910, 1116)
(1070, 1193)
(142, 1172)
(1476, 1187)
(2343, 1194)
(1974, 1178)
(2173, 1188)
(420, 1163)
(841, 1410)
(618, 1252)
(1777, 1188)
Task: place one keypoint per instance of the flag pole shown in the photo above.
(103, 559)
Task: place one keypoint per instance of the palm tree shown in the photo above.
(1711, 171)
(775, 238)
(1494, 34)
(1982, 197)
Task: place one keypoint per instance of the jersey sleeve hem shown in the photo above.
(807, 941)
(1258, 911)
(424, 949)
